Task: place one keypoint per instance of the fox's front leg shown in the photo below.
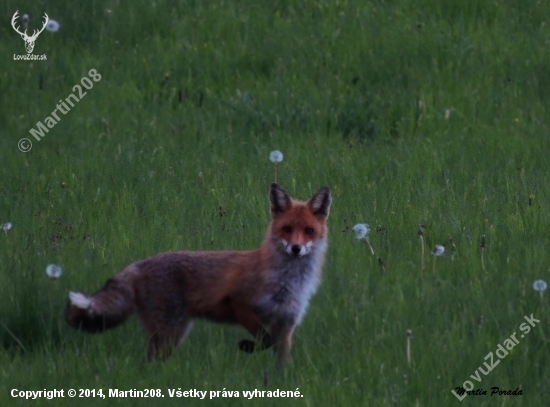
(246, 316)
(282, 342)
(262, 342)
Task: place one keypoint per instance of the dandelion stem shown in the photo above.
(434, 264)
(382, 265)
(276, 166)
(13, 336)
(483, 245)
(368, 242)
(409, 352)
(423, 250)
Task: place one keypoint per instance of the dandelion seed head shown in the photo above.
(540, 285)
(276, 156)
(53, 26)
(54, 271)
(438, 250)
(7, 226)
(361, 230)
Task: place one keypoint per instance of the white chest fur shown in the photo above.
(292, 282)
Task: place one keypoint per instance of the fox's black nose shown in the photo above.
(296, 249)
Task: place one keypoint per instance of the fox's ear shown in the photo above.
(280, 201)
(320, 202)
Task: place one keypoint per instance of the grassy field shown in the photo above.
(412, 112)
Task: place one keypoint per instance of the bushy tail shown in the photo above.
(106, 309)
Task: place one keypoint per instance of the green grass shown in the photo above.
(355, 95)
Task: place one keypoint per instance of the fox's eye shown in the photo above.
(287, 229)
(308, 231)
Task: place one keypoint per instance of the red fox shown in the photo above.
(266, 290)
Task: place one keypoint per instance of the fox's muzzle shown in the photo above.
(296, 249)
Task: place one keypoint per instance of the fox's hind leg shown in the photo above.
(162, 311)
(165, 339)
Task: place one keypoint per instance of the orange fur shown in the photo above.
(266, 290)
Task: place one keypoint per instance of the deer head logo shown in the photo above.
(29, 41)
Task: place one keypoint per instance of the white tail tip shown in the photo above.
(80, 300)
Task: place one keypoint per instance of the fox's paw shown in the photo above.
(247, 345)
